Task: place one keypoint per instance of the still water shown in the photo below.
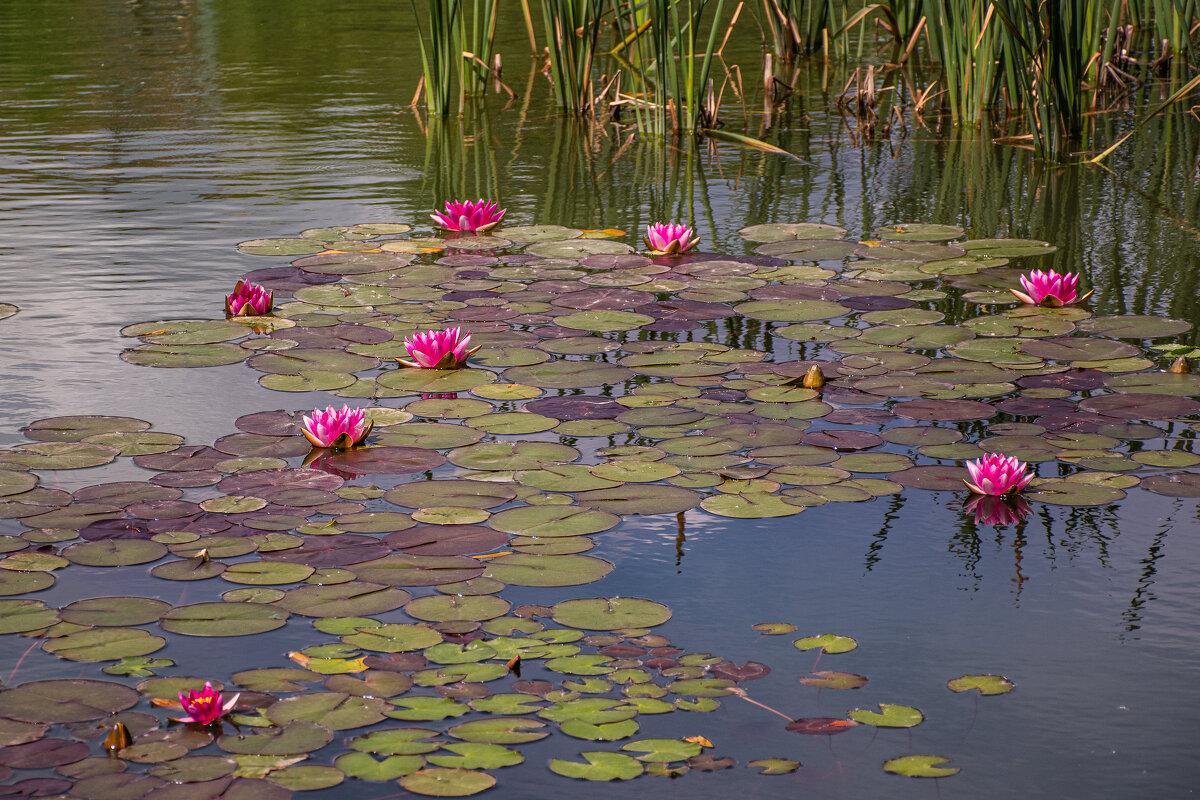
(142, 140)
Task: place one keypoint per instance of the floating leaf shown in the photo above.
(922, 766)
(600, 766)
(828, 642)
(889, 716)
(986, 684)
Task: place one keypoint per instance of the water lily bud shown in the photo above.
(118, 738)
(814, 378)
(1180, 366)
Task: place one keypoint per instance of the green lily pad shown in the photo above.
(501, 730)
(922, 766)
(223, 619)
(447, 782)
(114, 611)
(281, 247)
(435, 381)
(457, 493)
(476, 755)
(184, 355)
(290, 739)
(889, 716)
(428, 709)
(663, 750)
(105, 644)
(114, 552)
(439, 608)
(774, 766)
(985, 684)
(511, 455)
(266, 573)
(1059, 492)
(525, 569)
(368, 768)
(334, 710)
(640, 499)
(394, 638)
(828, 642)
(791, 310)
(600, 766)
(608, 614)
(562, 374)
(750, 505)
(18, 616)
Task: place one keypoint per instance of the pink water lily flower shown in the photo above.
(670, 238)
(339, 429)
(997, 511)
(997, 474)
(1050, 289)
(248, 299)
(438, 349)
(473, 217)
(205, 707)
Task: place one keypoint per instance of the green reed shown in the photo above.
(456, 59)
(572, 31)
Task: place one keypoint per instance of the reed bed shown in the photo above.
(659, 66)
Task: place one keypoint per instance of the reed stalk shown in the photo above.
(572, 32)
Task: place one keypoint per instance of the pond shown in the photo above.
(145, 140)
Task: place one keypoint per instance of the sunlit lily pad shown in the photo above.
(985, 684)
(447, 782)
(600, 766)
(922, 766)
(827, 642)
(888, 716)
(607, 614)
(774, 766)
(105, 644)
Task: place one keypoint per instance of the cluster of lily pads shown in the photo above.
(607, 383)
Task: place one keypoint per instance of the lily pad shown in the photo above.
(223, 619)
(600, 766)
(922, 766)
(985, 684)
(607, 614)
(889, 716)
(447, 782)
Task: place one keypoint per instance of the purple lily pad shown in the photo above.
(576, 408)
(446, 540)
(286, 280)
(270, 423)
(1073, 380)
(263, 482)
(934, 478)
(1034, 407)
(931, 410)
(1141, 406)
(842, 439)
(183, 459)
(339, 550)
(876, 303)
(386, 460)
